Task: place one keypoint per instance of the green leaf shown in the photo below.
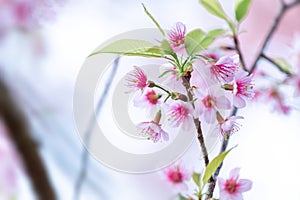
(165, 73)
(180, 197)
(241, 9)
(193, 40)
(166, 47)
(216, 32)
(153, 20)
(131, 47)
(213, 165)
(214, 7)
(284, 66)
(196, 179)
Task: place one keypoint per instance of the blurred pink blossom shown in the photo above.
(233, 187)
(177, 176)
(9, 162)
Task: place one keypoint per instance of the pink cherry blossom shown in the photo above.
(137, 79)
(225, 68)
(207, 105)
(243, 89)
(170, 79)
(149, 98)
(229, 125)
(277, 98)
(176, 37)
(180, 115)
(9, 162)
(177, 175)
(233, 187)
(152, 131)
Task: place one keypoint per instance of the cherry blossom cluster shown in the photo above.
(202, 88)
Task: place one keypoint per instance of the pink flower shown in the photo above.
(278, 98)
(9, 164)
(177, 175)
(180, 115)
(149, 98)
(225, 68)
(207, 105)
(176, 37)
(243, 89)
(153, 131)
(229, 125)
(233, 187)
(137, 79)
(170, 79)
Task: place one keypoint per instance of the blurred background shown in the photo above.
(43, 44)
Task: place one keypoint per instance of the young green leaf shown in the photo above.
(153, 20)
(216, 32)
(180, 197)
(214, 7)
(196, 179)
(241, 9)
(166, 47)
(284, 66)
(213, 165)
(131, 47)
(193, 40)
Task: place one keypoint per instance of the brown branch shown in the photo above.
(284, 7)
(239, 51)
(186, 84)
(275, 64)
(26, 147)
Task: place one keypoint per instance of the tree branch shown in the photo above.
(238, 50)
(26, 147)
(284, 7)
(186, 84)
(275, 64)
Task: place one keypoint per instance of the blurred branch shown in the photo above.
(284, 7)
(26, 147)
(89, 131)
(275, 64)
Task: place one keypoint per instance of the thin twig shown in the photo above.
(224, 145)
(27, 148)
(275, 64)
(284, 7)
(238, 49)
(89, 131)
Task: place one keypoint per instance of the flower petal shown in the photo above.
(210, 115)
(239, 102)
(223, 102)
(237, 196)
(234, 173)
(245, 185)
